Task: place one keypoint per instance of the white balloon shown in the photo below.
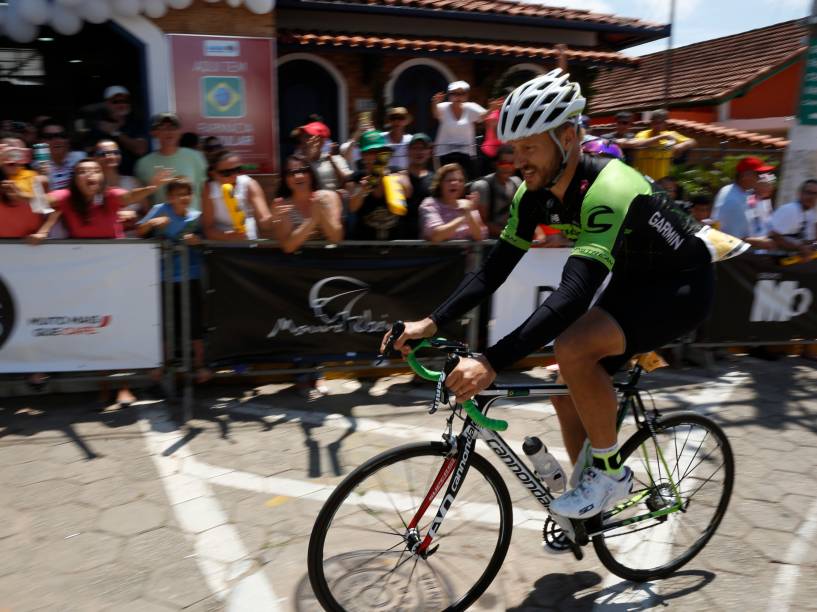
(259, 7)
(18, 29)
(179, 4)
(65, 21)
(32, 11)
(94, 11)
(126, 8)
(155, 8)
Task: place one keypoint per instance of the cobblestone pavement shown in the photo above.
(122, 510)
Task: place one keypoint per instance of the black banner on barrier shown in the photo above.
(329, 303)
(758, 300)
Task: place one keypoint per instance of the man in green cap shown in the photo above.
(374, 218)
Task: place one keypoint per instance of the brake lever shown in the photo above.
(441, 394)
(397, 329)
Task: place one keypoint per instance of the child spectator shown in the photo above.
(446, 215)
(700, 208)
(418, 174)
(175, 221)
(234, 206)
(302, 211)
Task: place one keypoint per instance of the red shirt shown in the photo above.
(490, 144)
(18, 221)
(101, 221)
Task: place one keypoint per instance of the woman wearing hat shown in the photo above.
(456, 133)
(396, 137)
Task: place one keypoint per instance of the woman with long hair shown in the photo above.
(446, 214)
(302, 211)
(233, 205)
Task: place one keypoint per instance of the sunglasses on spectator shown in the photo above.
(457, 93)
(809, 192)
(301, 170)
(230, 171)
(121, 100)
(114, 153)
(52, 135)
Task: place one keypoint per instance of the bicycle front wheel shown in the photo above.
(682, 482)
(360, 553)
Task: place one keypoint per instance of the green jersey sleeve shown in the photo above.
(522, 219)
(604, 208)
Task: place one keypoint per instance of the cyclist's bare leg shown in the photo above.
(573, 432)
(578, 351)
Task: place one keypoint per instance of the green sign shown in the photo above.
(807, 115)
(223, 96)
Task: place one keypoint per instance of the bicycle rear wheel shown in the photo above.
(359, 554)
(681, 488)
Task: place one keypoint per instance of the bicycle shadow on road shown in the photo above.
(576, 592)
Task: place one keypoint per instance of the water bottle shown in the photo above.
(546, 466)
(42, 154)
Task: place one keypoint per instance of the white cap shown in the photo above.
(115, 90)
(458, 85)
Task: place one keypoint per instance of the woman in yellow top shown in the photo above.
(654, 159)
(233, 205)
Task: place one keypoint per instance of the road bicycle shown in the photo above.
(426, 526)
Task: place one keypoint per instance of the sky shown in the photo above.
(695, 20)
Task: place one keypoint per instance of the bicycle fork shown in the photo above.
(457, 462)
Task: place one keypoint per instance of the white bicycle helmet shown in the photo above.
(540, 105)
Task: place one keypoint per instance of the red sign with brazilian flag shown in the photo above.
(224, 87)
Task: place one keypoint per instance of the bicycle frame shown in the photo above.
(471, 431)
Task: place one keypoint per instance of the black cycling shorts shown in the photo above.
(654, 312)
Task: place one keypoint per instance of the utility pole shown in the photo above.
(668, 59)
(800, 159)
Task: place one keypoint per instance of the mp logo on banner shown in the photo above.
(779, 301)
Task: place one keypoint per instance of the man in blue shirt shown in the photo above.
(736, 208)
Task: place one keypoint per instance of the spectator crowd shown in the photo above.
(381, 184)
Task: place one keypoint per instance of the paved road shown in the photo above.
(124, 511)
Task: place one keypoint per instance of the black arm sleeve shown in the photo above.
(581, 278)
(478, 285)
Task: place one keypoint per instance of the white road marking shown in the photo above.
(225, 563)
(786, 579)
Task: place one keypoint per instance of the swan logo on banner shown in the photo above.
(7, 314)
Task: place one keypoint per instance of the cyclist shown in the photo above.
(661, 283)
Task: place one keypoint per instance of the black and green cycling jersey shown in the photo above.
(620, 225)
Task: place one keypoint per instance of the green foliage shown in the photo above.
(709, 177)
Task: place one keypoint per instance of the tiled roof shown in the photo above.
(453, 47)
(511, 8)
(708, 71)
(695, 128)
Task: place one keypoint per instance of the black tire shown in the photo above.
(431, 450)
(720, 492)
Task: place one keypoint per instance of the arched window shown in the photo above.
(307, 85)
(514, 76)
(412, 84)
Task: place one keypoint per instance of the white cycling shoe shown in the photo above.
(596, 492)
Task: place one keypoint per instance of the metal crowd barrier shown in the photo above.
(183, 369)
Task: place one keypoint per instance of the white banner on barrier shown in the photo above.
(531, 282)
(67, 308)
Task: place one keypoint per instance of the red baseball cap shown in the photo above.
(316, 128)
(754, 164)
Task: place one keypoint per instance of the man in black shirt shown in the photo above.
(419, 154)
